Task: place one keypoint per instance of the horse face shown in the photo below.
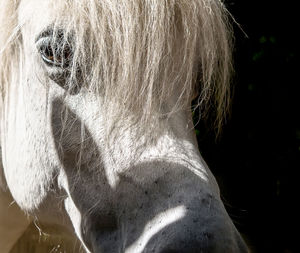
(122, 189)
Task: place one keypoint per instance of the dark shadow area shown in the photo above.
(81, 159)
(256, 160)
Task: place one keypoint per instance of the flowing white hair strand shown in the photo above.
(138, 53)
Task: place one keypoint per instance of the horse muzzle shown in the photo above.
(160, 217)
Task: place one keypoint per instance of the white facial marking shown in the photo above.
(155, 225)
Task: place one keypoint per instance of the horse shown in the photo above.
(97, 130)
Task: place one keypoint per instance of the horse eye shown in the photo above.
(55, 52)
(56, 49)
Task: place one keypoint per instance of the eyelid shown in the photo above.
(58, 46)
(56, 49)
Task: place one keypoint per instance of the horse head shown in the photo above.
(96, 122)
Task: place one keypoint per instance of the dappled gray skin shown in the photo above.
(99, 138)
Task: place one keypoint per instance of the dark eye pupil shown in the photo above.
(48, 53)
(57, 54)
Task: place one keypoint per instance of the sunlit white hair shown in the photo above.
(139, 53)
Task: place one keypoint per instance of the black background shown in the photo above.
(256, 159)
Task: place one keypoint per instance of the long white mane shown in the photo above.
(137, 53)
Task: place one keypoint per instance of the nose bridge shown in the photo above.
(177, 212)
(174, 212)
(205, 227)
